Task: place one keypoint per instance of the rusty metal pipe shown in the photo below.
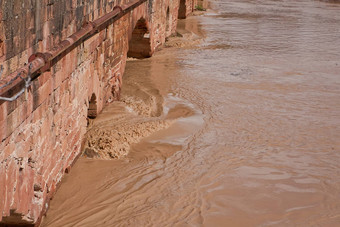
(69, 41)
(42, 61)
(104, 19)
(131, 5)
(62, 46)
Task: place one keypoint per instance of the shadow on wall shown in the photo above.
(1, 48)
(140, 45)
(167, 21)
(15, 219)
(2, 38)
(182, 10)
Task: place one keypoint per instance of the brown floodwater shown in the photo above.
(242, 129)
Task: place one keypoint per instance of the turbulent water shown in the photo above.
(246, 127)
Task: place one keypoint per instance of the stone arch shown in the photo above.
(182, 11)
(139, 44)
(92, 111)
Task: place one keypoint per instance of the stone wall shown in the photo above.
(41, 132)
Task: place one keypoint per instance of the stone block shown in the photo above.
(3, 111)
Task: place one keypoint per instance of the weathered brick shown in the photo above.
(3, 111)
(42, 94)
(2, 187)
(23, 191)
(11, 179)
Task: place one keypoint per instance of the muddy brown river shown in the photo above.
(241, 129)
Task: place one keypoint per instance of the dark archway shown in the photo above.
(182, 11)
(139, 45)
(92, 111)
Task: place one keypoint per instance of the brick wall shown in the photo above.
(41, 132)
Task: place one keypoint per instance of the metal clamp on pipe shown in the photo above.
(46, 57)
(28, 82)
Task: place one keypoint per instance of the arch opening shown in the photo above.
(140, 45)
(182, 12)
(92, 111)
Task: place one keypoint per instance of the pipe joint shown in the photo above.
(93, 26)
(46, 57)
(118, 7)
